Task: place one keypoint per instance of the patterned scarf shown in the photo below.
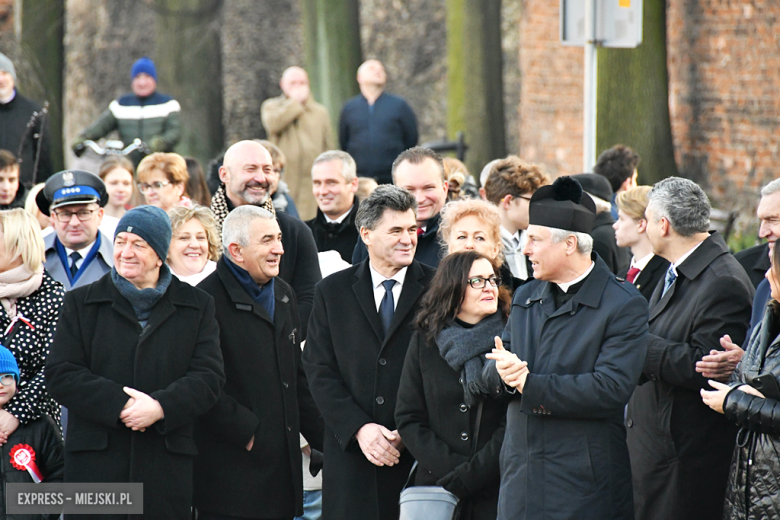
(221, 206)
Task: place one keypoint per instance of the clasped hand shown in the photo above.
(381, 446)
(140, 411)
(512, 370)
(720, 364)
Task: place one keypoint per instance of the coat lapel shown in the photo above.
(364, 292)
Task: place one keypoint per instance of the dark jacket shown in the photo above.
(265, 393)
(616, 258)
(648, 277)
(755, 261)
(30, 346)
(438, 430)
(338, 237)
(14, 134)
(374, 135)
(762, 297)
(680, 448)
(354, 373)
(43, 436)
(98, 349)
(755, 466)
(19, 200)
(564, 453)
(429, 250)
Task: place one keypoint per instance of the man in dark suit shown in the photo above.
(358, 336)
(334, 183)
(249, 459)
(680, 448)
(420, 171)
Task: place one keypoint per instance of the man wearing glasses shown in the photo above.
(77, 253)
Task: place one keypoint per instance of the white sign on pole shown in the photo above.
(618, 23)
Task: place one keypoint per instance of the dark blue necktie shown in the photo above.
(387, 306)
(74, 257)
(671, 276)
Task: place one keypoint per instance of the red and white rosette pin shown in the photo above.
(23, 458)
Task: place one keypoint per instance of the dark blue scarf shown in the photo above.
(263, 295)
(142, 300)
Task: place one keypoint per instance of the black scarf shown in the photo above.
(463, 349)
(142, 300)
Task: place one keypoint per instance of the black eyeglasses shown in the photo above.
(478, 282)
(7, 379)
(82, 214)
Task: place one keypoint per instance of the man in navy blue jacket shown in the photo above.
(375, 127)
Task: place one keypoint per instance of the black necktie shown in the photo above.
(74, 257)
(387, 307)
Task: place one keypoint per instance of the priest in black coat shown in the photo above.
(359, 333)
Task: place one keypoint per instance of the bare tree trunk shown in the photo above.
(633, 98)
(475, 94)
(331, 31)
(188, 60)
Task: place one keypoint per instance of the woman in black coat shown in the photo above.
(441, 391)
(755, 467)
(135, 360)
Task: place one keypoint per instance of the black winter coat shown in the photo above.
(648, 278)
(680, 448)
(755, 261)
(337, 237)
(354, 373)
(438, 430)
(266, 396)
(43, 436)
(755, 464)
(564, 454)
(98, 349)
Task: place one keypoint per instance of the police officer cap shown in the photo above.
(562, 205)
(71, 187)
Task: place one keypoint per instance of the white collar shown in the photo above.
(377, 279)
(83, 252)
(338, 220)
(642, 262)
(684, 257)
(565, 286)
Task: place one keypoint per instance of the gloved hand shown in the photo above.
(78, 146)
(157, 144)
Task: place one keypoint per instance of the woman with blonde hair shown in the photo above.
(31, 302)
(474, 224)
(646, 269)
(195, 243)
(162, 179)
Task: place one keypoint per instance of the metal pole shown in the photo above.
(589, 101)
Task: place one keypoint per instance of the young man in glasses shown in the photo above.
(77, 253)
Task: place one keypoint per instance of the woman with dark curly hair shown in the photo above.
(755, 467)
(444, 413)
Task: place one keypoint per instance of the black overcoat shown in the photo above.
(755, 261)
(680, 448)
(265, 391)
(564, 454)
(99, 348)
(354, 376)
(648, 278)
(438, 429)
(336, 237)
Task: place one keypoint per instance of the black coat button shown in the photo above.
(380, 400)
(460, 380)
(382, 361)
(463, 408)
(289, 429)
(464, 436)
(284, 384)
(629, 423)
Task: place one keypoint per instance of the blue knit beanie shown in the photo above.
(150, 223)
(8, 363)
(143, 65)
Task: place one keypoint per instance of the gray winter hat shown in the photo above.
(7, 65)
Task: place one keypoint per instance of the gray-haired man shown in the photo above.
(249, 462)
(334, 183)
(680, 448)
(358, 335)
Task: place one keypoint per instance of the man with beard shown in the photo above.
(244, 175)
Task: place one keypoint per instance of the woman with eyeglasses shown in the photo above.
(31, 302)
(162, 180)
(445, 415)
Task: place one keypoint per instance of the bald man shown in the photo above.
(301, 128)
(375, 127)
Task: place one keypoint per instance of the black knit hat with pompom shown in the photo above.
(563, 205)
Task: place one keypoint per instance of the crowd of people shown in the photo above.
(313, 329)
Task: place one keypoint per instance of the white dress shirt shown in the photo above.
(83, 252)
(338, 220)
(379, 289)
